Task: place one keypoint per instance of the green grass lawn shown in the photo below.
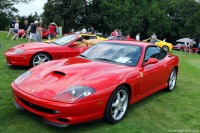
(159, 113)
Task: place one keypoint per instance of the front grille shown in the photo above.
(38, 108)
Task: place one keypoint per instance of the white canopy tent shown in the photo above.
(186, 40)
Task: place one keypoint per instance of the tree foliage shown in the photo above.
(171, 19)
(7, 11)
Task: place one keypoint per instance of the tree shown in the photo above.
(170, 19)
(64, 12)
(7, 10)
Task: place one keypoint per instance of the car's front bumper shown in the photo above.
(17, 60)
(58, 113)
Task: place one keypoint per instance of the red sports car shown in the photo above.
(21, 32)
(99, 83)
(45, 32)
(32, 54)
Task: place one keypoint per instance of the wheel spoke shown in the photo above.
(43, 60)
(36, 62)
(118, 96)
(116, 111)
(121, 109)
(123, 98)
(39, 57)
(115, 104)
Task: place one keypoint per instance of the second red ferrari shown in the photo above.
(32, 54)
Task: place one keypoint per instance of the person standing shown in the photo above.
(16, 29)
(84, 31)
(39, 32)
(92, 30)
(57, 31)
(52, 30)
(60, 30)
(120, 33)
(114, 33)
(33, 31)
(11, 29)
(25, 28)
(153, 38)
(137, 37)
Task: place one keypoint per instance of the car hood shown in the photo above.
(32, 45)
(48, 80)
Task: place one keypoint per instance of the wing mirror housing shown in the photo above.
(74, 44)
(151, 61)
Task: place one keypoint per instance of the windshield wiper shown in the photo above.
(104, 59)
(83, 56)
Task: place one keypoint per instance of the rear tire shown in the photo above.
(166, 48)
(117, 105)
(172, 80)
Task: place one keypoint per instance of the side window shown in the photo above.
(163, 53)
(154, 52)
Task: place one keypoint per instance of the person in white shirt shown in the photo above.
(84, 31)
(16, 29)
(138, 37)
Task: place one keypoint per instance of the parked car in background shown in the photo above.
(35, 53)
(164, 45)
(21, 32)
(178, 46)
(45, 32)
(100, 83)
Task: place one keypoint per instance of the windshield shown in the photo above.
(65, 40)
(124, 54)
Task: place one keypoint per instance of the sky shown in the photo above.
(31, 7)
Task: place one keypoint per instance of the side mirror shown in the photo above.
(74, 44)
(151, 61)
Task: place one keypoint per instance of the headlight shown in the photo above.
(22, 77)
(16, 51)
(74, 93)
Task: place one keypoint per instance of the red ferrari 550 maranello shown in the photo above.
(100, 83)
(32, 54)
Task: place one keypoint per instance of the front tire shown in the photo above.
(117, 105)
(40, 58)
(172, 80)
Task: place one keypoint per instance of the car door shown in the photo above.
(74, 51)
(153, 73)
(68, 47)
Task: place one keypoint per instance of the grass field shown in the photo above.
(159, 113)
